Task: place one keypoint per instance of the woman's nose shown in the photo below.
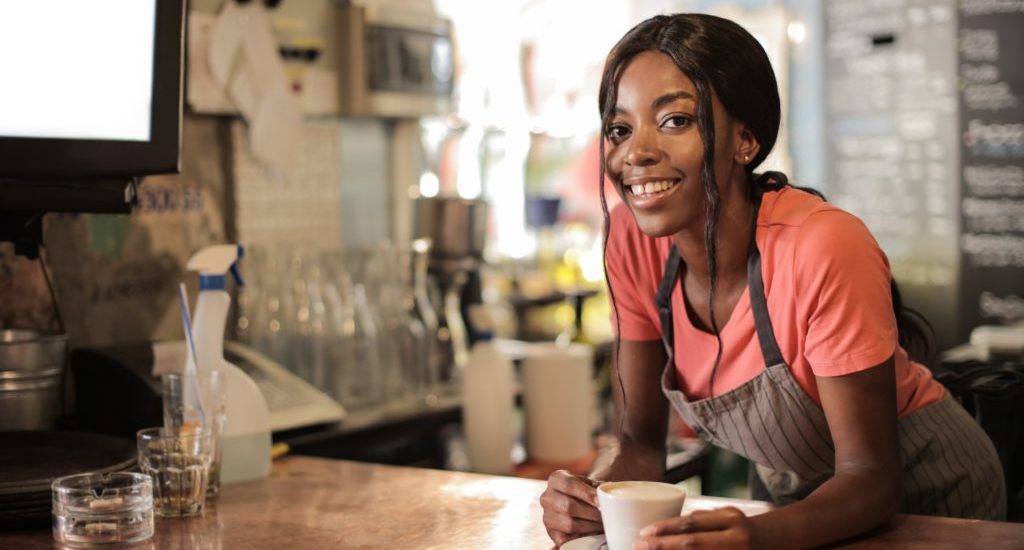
(643, 150)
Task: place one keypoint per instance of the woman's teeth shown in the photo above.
(651, 188)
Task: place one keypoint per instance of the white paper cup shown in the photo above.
(629, 506)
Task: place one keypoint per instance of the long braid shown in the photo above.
(712, 208)
(606, 230)
(611, 295)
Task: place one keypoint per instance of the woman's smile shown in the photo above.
(644, 194)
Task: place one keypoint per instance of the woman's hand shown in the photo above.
(722, 528)
(570, 507)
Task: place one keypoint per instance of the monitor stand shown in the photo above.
(24, 202)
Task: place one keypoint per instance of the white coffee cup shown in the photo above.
(629, 506)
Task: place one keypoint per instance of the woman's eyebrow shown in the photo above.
(665, 99)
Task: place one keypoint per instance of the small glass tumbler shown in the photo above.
(211, 395)
(95, 509)
(178, 460)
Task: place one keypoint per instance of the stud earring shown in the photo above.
(746, 158)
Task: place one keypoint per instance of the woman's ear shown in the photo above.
(746, 147)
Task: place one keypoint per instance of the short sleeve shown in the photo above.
(843, 292)
(631, 292)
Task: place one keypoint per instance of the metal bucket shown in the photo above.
(31, 374)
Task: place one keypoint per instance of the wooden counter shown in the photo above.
(311, 503)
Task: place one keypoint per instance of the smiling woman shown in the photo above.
(764, 315)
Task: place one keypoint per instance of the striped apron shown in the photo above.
(950, 467)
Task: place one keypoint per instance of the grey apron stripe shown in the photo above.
(739, 438)
(964, 482)
(970, 438)
(795, 424)
(912, 489)
(765, 437)
(988, 485)
(696, 422)
(747, 434)
(805, 407)
(799, 450)
(925, 482)
(931, 466)
(678, 399)
(913, 458)
(922, 465)
(959, 440)
(721, 430)
(948, 477)
(963, 486)
(938, 466)
(807, 471)
(967, 442)
(797, 400)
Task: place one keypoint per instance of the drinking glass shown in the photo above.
(211, 395)
(178, 460)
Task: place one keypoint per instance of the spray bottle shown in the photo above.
(245, 438)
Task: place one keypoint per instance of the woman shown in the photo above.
(781, 342)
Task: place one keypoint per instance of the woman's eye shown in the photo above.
(677, 121)
(617, 132)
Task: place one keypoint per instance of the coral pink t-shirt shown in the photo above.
(827, 286)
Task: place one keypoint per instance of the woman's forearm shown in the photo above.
(626, 460)
(850, 503)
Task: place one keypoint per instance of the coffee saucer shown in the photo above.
(593, 542)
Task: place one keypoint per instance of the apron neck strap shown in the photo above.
(663, 298)
(759, 307)
(769, 181)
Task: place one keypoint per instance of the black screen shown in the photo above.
(91, 89)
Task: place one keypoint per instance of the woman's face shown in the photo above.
(654, 152)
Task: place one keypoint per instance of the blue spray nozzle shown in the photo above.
(236, 274)
(234, 267)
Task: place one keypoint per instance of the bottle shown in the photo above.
(353, 348)
(424, 309)
(245, 438)
(488, 401)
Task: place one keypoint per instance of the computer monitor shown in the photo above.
(90, 89)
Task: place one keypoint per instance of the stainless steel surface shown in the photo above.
(31, 371)
(456, 226)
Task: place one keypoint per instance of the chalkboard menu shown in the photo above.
(991, 90)
(892, 127)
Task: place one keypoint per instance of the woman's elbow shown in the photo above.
(889, 493)
(884, 495)
(894, 494)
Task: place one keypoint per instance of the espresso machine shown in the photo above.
(457, 231)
